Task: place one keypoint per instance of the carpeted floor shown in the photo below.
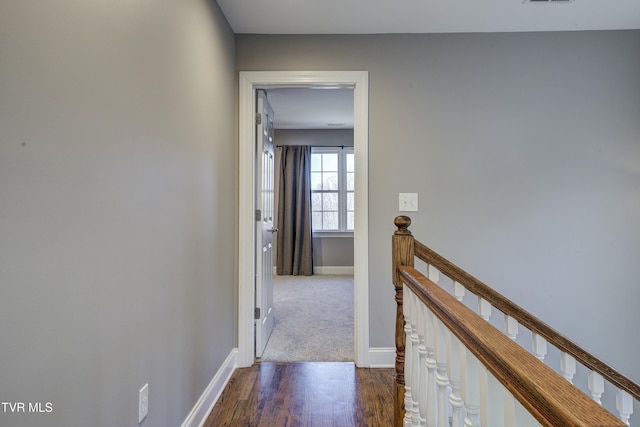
(313, 319)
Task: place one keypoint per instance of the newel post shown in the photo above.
(402, 247)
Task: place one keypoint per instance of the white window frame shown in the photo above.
(342, 191)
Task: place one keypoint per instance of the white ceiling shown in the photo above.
(305, 108)
(313, 109)
(426, 16)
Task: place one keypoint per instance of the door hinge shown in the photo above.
(258, 215)
(256, 313)
(258, 119)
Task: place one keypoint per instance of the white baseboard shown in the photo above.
(348, 270)
(382, 357)
(343, 270)
(204, 405)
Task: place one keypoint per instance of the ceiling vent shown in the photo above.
(547, 1)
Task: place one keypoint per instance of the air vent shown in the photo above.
(547, 1)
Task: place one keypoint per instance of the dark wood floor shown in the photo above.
(305, 394)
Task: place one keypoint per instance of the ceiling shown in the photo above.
(305, 108)
(314, 109)
(426, 16)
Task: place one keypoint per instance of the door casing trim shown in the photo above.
(249, 81)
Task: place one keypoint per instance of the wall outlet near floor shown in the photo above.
(143, 402)
(408, 202)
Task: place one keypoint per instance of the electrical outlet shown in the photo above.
(143, 402)
(408, 202)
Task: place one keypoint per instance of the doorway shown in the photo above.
(249, 82)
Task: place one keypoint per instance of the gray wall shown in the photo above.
(327, 251)
(117, 207)
(524, 150)
(333, 251)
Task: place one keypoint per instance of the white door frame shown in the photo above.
(249, 81)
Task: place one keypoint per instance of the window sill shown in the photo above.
(332, 234)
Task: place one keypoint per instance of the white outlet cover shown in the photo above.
(408, 202)
(143, 402)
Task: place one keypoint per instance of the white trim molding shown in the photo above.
(382, 357)
(211, 394)
(345, 270)
(328, 269)
(249, 81)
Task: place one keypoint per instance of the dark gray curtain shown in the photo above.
(294, 255)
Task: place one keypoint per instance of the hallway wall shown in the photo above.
(117, 208)
(523, 149)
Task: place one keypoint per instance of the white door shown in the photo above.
(264, 222)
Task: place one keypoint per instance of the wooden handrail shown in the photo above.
(405, 248)
(525, 318)
(549, 398)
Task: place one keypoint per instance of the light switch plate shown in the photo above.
(408, 202)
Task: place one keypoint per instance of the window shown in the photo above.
(332, 189)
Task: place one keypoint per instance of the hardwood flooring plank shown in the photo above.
(309, 394)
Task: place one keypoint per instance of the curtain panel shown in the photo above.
(294, 250)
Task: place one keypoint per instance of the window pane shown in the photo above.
(350, 202)
(332, 199)
(330, 162)
(350, 167)
(316, 220)
(330, 202)
(316, 201)
(316, 162)
(330, 220)
(330, 181)
(316, 180)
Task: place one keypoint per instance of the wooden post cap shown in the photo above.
(403, 223)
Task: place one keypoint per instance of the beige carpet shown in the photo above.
(313, 319)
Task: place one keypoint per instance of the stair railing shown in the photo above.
(454, 368)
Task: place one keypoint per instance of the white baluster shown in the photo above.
(433, 274)
(511, 327)
(415, 364)
(458, 291)
(523, 417)
(484, 394)
(408, 351)
(491, 400)
(484, 309)
(441, 377)
(454, 350)
(471, 389)
(624, 405)
(432, 396)
(568, 366)
(423, 331)
(509, 409)
(539, 346)
(596, 386)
